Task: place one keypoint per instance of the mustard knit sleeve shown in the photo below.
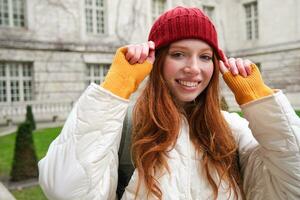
(248, 88)
(123, 78)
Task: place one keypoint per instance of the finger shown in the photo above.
(223, 68)
(144, 53)
(241, 67)
(151, 56)
(247, 64)
(151, 45)
(130, 52)
(232, 66)
(137, 55)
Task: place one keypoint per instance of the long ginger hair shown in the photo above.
(157, 118)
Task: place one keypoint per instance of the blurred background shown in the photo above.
(50, 51)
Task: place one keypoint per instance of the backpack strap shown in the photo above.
(126, 167)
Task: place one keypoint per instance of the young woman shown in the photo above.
(183, 146)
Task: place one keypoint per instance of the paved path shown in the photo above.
(5, 194)
(10, 129)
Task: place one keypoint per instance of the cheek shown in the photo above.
(169, 71)
(208, 73)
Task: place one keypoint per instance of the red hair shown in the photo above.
(156, 124)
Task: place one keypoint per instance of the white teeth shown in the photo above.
(188, 83)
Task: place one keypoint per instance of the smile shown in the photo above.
(190, 84)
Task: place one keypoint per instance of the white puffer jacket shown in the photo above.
(82, 162)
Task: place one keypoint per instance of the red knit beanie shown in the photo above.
(184, 23)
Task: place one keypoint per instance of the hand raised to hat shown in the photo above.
(129, 68)
(236, 66)
(139, 53)
(244, 79)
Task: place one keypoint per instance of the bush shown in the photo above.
(224, 105)
(25, 159)
(30, 117)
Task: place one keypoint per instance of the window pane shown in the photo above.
(14, 90)
(248, 11)
(4, 16)
(27, 87)
(209, 11)
(27, 70)
(95, 16)
(105, 69)
(13, 69)
(98, 73)
(89, 20)
(249, 30)
(158, 6)
(2, 70)
(88, 2)
(100, 21)
(2, 91)
(96, 70)
(16, 81)
(12, 13)
(251, 14)
(256, 28)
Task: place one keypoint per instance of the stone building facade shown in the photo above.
(51, 50)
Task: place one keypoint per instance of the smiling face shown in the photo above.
(188, 68)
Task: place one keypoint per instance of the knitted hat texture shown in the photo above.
(184, 23)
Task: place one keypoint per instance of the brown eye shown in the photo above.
(205, 57)
(177, 55)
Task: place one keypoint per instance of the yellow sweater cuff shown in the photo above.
(248, 88)
(123, 78)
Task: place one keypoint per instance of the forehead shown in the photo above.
(193, 44)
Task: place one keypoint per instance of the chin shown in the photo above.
(187, 99)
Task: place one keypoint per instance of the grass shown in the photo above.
(241, 114)
(42, 139)
(7, 144)
(31, 193)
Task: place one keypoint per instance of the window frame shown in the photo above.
(209, 11)
(252, 20)
(11, 12)
(94, 29)
(156, 10)
(21, 81)
(90, 72)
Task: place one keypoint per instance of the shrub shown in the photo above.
(25, 159)
(224, 105)
(30, 117)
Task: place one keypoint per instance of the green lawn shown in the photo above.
(42, 139)
(241, 114)
(32, 193)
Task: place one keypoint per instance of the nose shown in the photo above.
(192, 66)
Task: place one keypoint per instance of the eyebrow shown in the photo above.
(183, 47)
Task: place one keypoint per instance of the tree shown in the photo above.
(25, 159)
(30, 117)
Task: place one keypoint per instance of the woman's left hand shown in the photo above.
(236, 66)
(244, 79)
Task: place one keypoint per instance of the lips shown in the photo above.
(190, 84)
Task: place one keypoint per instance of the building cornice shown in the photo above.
(59, 46)
(268, 49)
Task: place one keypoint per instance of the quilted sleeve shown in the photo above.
(269, 149)
(82, 162)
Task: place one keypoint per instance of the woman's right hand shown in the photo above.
(129, 68)
(139, 53)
